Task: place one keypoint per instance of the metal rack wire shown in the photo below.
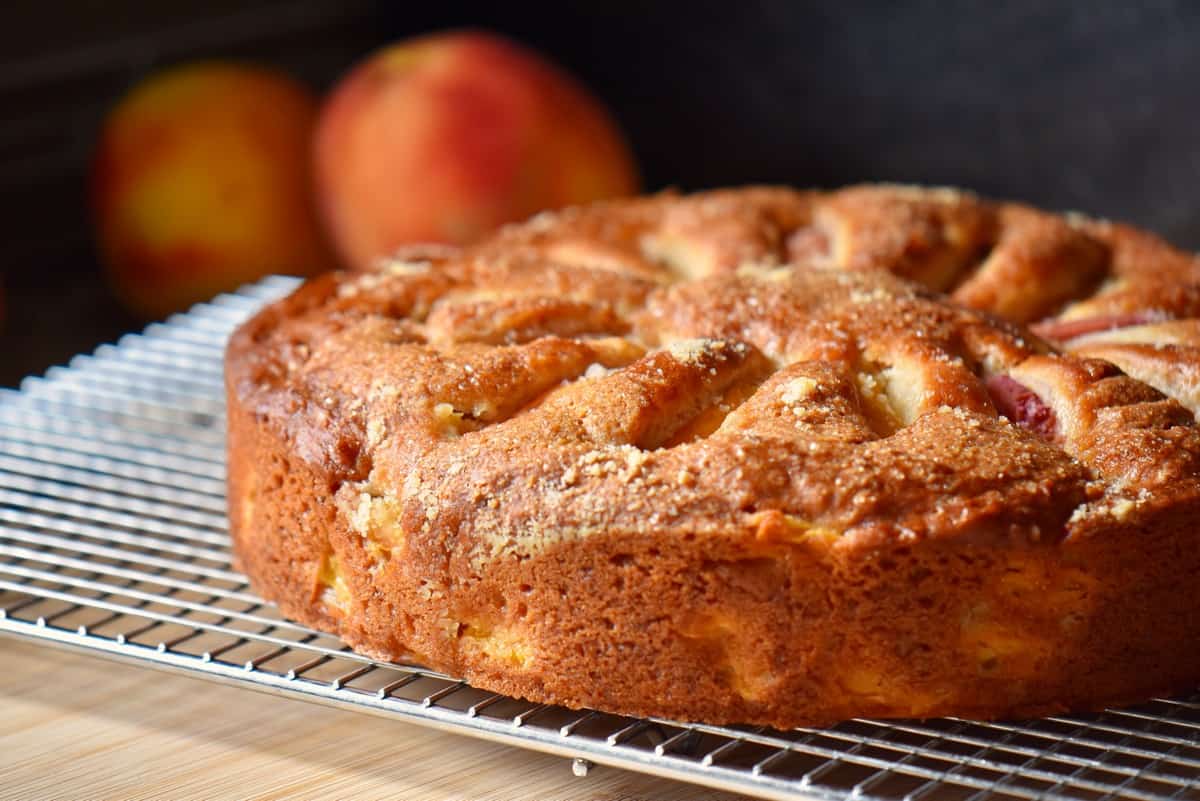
(112, 540)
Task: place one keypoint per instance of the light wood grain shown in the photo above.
(77, 727)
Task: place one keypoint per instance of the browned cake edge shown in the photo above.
(759, 631)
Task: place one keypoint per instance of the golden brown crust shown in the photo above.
(703, 457)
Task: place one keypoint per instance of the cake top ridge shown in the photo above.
(839, 368)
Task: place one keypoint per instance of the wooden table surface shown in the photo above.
(78, 727)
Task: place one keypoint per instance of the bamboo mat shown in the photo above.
(78, 727)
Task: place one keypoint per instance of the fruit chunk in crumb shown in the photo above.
(1022, 405)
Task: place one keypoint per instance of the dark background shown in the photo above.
(1089, 106)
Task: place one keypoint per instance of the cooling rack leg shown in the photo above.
(581, 767)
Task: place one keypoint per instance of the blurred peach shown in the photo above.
(201, 182)
(445, 137)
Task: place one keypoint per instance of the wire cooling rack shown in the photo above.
(113, 541)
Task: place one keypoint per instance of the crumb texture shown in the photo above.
(753, 455)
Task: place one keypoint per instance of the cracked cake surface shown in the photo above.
(754, 455)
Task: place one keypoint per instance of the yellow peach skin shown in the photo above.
(446, 137)
(202, 182)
